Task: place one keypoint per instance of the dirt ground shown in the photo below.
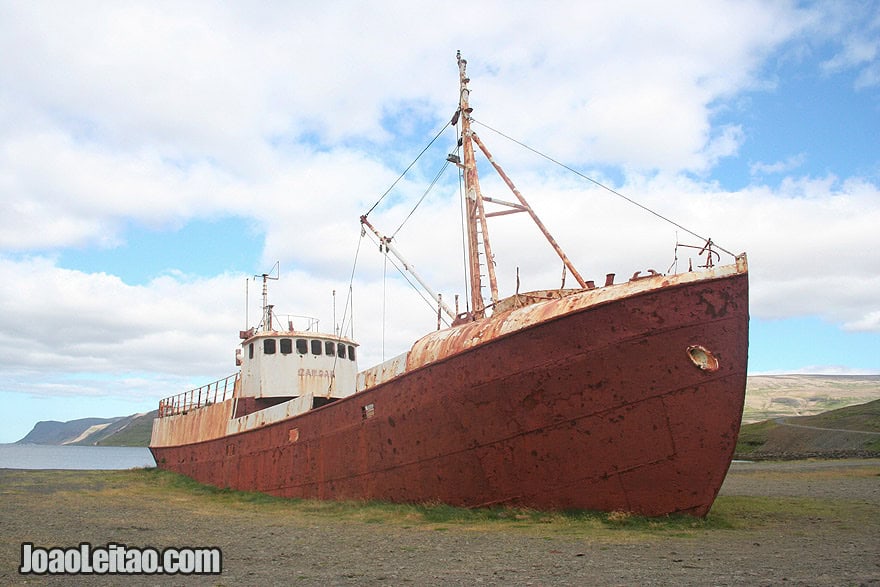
(791, 523)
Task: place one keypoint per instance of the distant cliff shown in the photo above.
(131, 430)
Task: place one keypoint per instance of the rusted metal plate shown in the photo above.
(200, 424)
(277, 413)
(599, 408)
(444, 343)
(382, 372)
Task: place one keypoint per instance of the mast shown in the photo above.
(475, 216)
(475, 213)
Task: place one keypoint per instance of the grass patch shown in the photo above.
(753, 436)
(182, 494)
(440, 517)
(137, 433)
(768, 436)
(863, 417)
(752, 512)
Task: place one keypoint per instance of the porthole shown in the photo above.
(702, 358)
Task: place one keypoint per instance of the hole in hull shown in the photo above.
(702, 358)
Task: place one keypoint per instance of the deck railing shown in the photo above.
(198, 397)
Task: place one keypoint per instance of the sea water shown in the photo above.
(41, 456)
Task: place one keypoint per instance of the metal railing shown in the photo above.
(199, 397)
(287, 321)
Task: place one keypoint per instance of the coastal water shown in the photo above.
(39, 456)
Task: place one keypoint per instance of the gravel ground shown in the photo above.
(835, 540)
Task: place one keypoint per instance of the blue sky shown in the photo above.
(814, 120)
(153, 159)
(148, 252)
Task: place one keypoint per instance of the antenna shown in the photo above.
(267, 309)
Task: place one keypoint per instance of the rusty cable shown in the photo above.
(349, 301)
(405, 171)
(424, 195)
(601, 185)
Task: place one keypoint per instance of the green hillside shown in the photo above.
(136, 433)
(849, 431)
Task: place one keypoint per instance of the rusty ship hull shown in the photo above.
(592, 404)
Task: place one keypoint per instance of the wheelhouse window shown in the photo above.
(316, 347)
(330, 348)
(269, 346)
(302, 346)
(350, 353)
(251, 351)
(340, 351)
(286, 346)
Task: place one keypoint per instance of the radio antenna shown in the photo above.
(274, 274)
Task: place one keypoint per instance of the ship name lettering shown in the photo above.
(314, 373)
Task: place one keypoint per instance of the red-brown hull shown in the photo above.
(601, 409)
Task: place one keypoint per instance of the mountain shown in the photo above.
(53, 432)
(131, 430)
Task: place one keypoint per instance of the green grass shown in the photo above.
(137, 433)
(753, 512)
(433, 516)
(753, 436)
(37, 490)
(862, 417)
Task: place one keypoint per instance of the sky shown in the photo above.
(154, 157)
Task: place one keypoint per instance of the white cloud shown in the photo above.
(59, 319)
(858, 27)
(785, 166)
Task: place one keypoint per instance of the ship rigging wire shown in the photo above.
(422, 199)
(405, 171)
(601, 185)
(349, 300)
